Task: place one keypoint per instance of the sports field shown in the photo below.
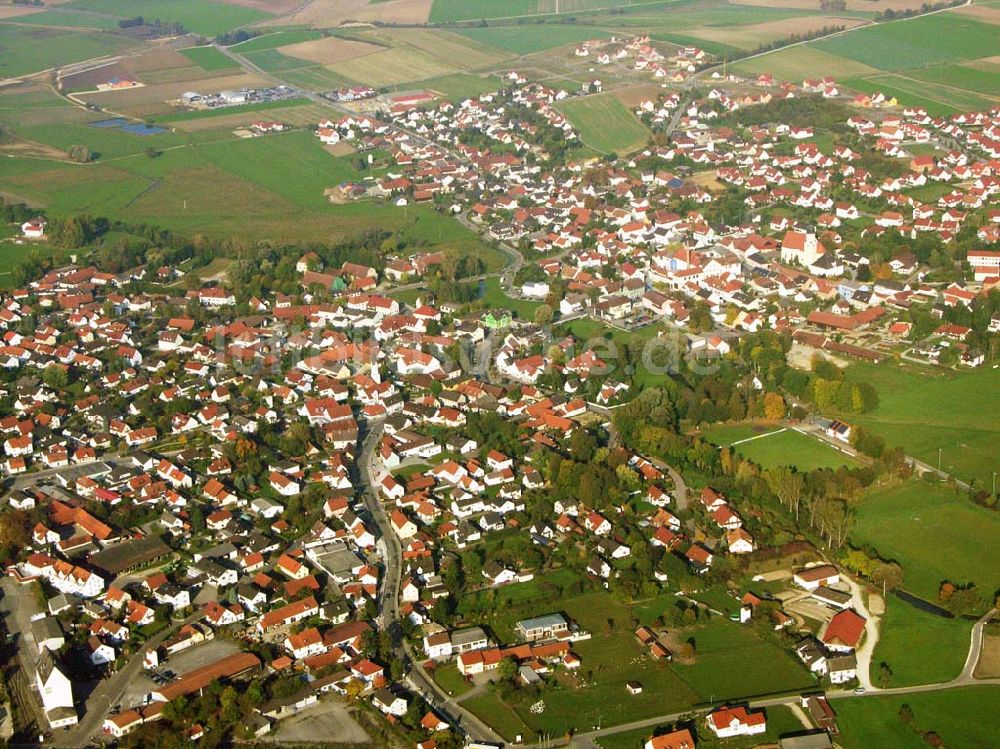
(934, 533)
(779, 446)
(605, 124)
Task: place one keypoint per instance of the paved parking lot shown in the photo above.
(326, 722)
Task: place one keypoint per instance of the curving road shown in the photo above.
(388, 599)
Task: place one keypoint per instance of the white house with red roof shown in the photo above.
(727, 722)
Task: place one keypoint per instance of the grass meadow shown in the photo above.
(918, 647)
(963, 718)
(197, 16)
(923, 410)
(934, 533)
(605, 124)
(209, 58)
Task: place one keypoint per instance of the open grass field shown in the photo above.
(328, 50)
(204, 181)
(933, 533)
(939, 62)
(605, 124)
(208, 58)
(68, 19)
(958, 716)
(393, 66)
(981, 76)
(198, 16)
(805, 61)
(462, 85)
(276, 39)
(444, 11)
(303, 114)
(530, 38)
(329, 13)
(449, 679)
(944, 37)
(780, 447)
(918, 647)
(938, 100)
(922, 410)
(733, 663)
(32, 50)
(446, 46)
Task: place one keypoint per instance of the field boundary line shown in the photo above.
(758, 436)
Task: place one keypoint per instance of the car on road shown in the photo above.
(859, 690)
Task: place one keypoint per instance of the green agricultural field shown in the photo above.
(445, 11)
(726, 434)
(605, 124)
(197, 16)
(273, 61)
(209, 58)
(983, 77)
(924, 410)
(918, 647)
(804, 61)
(934, 533)
(393, 66)
(66, 18)
(316, 79)
(936, 99)
(963, 718)
(462, 85)
(32, 50)
(900, 45)
(530, 38)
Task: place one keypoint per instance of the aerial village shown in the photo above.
(273, 491)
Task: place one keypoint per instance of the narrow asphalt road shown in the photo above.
(388, 598)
